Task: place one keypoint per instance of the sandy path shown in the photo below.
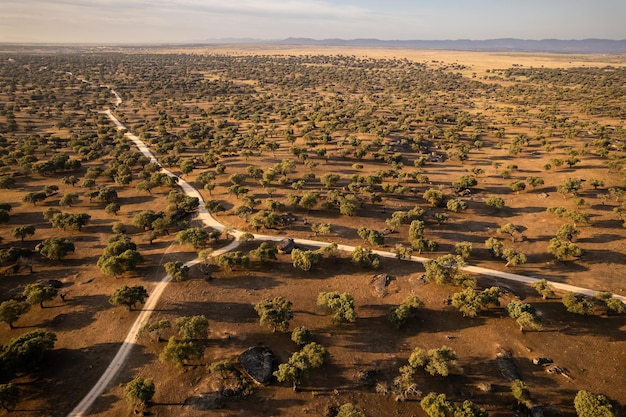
(120, 357)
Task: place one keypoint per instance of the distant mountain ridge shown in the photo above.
(584, 46)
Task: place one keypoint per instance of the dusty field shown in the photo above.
(89, 329)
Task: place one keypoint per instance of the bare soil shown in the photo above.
(90, 330)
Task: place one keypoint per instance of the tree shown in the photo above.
(308, 200)
(145, 219)
(26, 352)
(513, 258)
(397, 219)
(265, 252)
(305, 259)
(192, 327)
(214, 206)
(38, 293)
(525, 314)
(439, 361)
(246, 237)
(437, 405)
(139, 391)
(403, 252)
(463, 249)
(56, 248)
(11, 310)
(563, 250)
(341, 304)
(572, 160)
(329, 179)
(68, 199)
(521, 392)
(433, 196)
(456, 205)
(469, 409)
(321, 229)
(112, 208)
(570, 186)
(400, 314)
(9, 396)
(177, 270)
(154, 327)
(494, 246)
(416, 230)
(612, 304)
(6, 182)
(300, 364)
(494, 202)
(106, 195)
(350, 410)
(195, 236)
(534, 181)
(567, 232)
(316, 354)
(509, 229)
(294, 370)
(468, 302)
(221, 368)
(275, 313)
(69, 180)
(301, 335)
(267, 219)
(465, 182)
(595, 183)
(119, 255)
(444, 269)
(588, 404)
(364, 258)
(180, 350)
(577, 303)
(183, 202)
(231, 260)
(22, 231)
(543, 288)
(517, 186)
(374, 237)
(34, 197)
(129, 296)
(69, 220)
(347, 207)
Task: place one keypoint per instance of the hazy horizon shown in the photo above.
(183, 21)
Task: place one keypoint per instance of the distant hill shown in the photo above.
(584, 46)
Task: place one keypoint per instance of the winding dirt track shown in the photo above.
(203, 215)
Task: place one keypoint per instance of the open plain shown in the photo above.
(317, 143)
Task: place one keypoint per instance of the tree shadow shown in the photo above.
(600, 238)
(527, 210)
(264, 405)
(227, 312)
(245, 280)
(139, 199)
(78, 318)
(71, 373)
(602, 256)
(608, 224)
(606, 328)
(446, 320)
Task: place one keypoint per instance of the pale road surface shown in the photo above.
(203, 215)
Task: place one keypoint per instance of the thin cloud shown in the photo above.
(196, 20)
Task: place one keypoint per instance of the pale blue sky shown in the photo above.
(132, 21)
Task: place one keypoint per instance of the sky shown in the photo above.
(180, 21)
